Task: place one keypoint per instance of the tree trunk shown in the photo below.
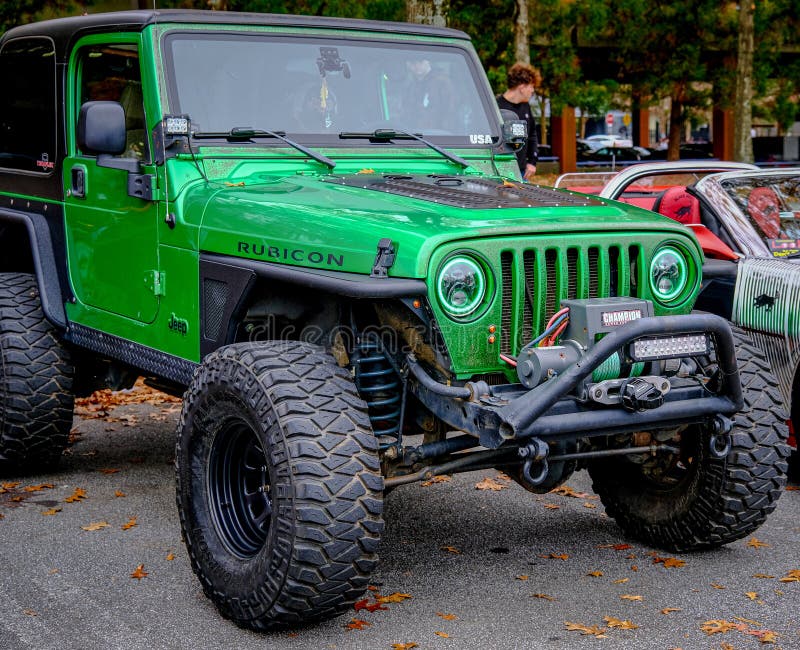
(743, 107)
(427, 12)
(675, 124)
(522, 50)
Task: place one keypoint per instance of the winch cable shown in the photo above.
(555, 327)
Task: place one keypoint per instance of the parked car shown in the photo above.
(600, 140)
(748, 223)
(687, 151)
(615, 154)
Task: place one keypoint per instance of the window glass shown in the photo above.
(28, 106)
(321, 86)
(772, 205)
(111, 73)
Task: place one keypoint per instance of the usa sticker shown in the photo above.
(480, 138)
(616, 318)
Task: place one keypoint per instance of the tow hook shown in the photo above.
(535, 452)
(719, 444)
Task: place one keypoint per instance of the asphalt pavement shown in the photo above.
(484, 569)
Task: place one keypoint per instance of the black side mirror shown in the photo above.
(515, 130)
(101, 128)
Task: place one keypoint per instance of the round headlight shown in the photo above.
(461, 286)
(668, 274)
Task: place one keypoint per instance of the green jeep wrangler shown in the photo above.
(314, 230)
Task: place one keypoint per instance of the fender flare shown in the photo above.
(44, 263)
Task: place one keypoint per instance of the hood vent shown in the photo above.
(468, 191)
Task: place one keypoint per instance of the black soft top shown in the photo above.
(64, 30)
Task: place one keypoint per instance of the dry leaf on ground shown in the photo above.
(396, 597)
(357, 624)
(78, 495)
(447, 617)
(131, 523)
(139, 572)
(630, 597)
(555, 556)
(586, 630)
(618, 623)
(543, 596)
(444, 635)
(404, 646)
(668, 610)
(757, 543)
(490, 484)
(51, 511)
(96, 525)
(669, 562)
(451, 549)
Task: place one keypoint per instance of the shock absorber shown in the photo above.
(380, 386)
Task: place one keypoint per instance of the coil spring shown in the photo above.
(380, 387)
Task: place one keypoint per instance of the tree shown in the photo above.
(522, 49)
(743, 110)
(26, 11)
(428, 12)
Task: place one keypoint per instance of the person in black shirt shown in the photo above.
(522, 81)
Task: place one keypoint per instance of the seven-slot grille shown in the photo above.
(534, 281)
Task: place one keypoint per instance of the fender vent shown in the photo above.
(215, 295)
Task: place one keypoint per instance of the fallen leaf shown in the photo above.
(439, 478)
(594, 630)
(586, 504)
(752, 595)
(757, 543)
(630, 556)
(717, 627)
(76, 496)
(669, 562)
(447, 617)
(39, 488)
(29, 612)
(620, 581)
(669, 610)
(10, 486)
(630, 597)
(444, 635)
(792, 576)
(747, 620)
(616, 547)
(622, 625)
(404, 646)
(765, 636)
(634, 567)
(52, 511)
(555, 556)
(489, 484)
(170, 557)
(717, 586)
(567, 491)
(131, 523)
(357, 624)
(763, 575)
(119, 493)
(523, 577)
(595, 574)
(393, 598)
(451, 549)
(96, 525)
(552, 506)
(139, 572)
(792, 488)
(542, 596)
(369, 606)
(726, 646)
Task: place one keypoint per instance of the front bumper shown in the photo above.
(497, 415)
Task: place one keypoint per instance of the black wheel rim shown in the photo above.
(239, 489)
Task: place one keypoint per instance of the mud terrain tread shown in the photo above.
(36, 400)
(321, 429)
(733, 497)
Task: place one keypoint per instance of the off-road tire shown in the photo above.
(307, 554)
(36, 372)
(718, 500)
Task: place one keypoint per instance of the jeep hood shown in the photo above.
(336, 222)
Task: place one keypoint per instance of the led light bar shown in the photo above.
(669, 347)
(176, 125)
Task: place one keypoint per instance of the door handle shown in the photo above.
(78, 182)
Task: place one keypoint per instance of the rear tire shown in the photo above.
(36, 373)
(703, 502)
(278, 484)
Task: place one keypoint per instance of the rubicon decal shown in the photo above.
(290, 255)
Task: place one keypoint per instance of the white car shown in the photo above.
(598, 141)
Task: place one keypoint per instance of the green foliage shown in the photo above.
(26, 11)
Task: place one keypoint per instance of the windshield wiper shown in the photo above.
(395, 134)
(247, 133)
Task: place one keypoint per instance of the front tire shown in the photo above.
(702, 501)
(278, 484)
(36, 373)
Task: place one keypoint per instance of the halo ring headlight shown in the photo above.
(461, 286)
(669, 274)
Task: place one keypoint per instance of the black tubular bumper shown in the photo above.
(550, 412)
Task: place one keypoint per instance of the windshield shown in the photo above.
(772, 206)
(314, 88)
